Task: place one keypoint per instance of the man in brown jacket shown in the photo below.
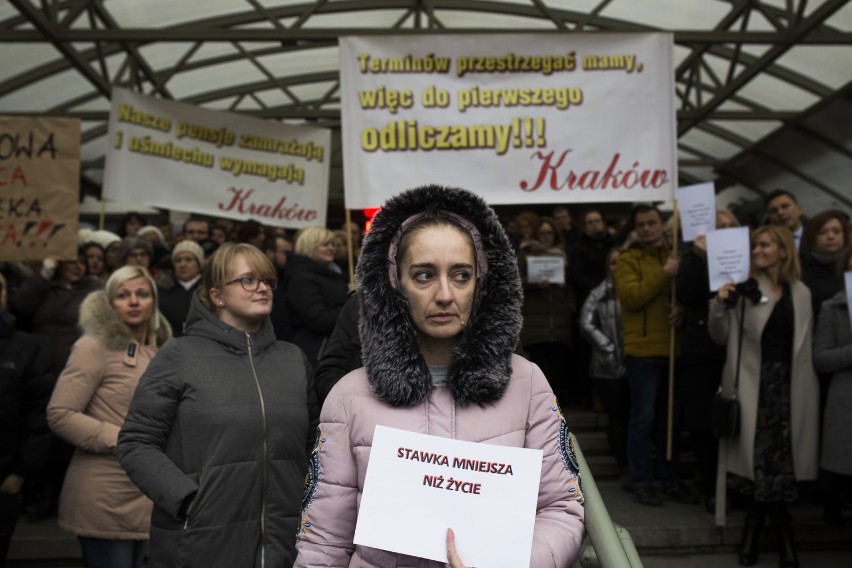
(643, 279)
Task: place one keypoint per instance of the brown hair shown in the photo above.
(818, 221)
(218, 266)
(428, 223)
(557, 234)
(791, 270)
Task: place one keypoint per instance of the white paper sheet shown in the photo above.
(728, 256)
(412, 496)
(697, 207)
(550, 267)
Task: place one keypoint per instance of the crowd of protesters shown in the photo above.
(600, 327)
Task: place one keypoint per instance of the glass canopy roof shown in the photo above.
(763, 86)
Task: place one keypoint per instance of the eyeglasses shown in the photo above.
(252, 284)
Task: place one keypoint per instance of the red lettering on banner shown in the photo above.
(15, 176)
(555, 175)
(241, 202)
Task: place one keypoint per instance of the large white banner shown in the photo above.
(515, 118)
(182, 157)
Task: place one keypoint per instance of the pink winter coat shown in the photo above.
(87, 408)
(525, 416)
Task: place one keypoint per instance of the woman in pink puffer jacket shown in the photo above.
(440, 318)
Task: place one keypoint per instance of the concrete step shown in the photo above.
(593, 442)
(582, 420)
(676, 528)
(43, 544)
(726, 559)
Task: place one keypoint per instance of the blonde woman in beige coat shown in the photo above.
(778, 390)
(122, 330)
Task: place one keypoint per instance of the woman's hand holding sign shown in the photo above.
(452, 555)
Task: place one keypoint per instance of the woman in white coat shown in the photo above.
(769, 341)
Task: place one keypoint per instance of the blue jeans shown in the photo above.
(648, 378)
(105, 553)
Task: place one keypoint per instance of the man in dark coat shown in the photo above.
(587, 269)
(278, 250)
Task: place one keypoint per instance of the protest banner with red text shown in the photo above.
(182, 157)
(516, 118)
(39, 187)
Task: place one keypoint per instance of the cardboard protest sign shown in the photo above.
(39, 187)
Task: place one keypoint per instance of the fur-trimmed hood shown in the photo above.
(98, 319)
(395, 367)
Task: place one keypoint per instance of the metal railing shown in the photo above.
(608, 545)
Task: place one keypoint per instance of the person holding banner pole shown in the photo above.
(440, 317)
(643, 279)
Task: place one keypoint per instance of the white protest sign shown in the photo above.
(728, 256)
(418, 486)
(697, 207)
(182, 157)
(550, 267)
(848, 280)
(516, 118)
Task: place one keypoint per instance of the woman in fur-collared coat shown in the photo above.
(122, 331)
(770, 343)
(440, 317)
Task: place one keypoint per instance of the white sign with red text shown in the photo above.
(517, 118)
(417, 486)
(182, 157)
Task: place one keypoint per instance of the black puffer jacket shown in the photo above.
(342, 353)
(315, 296)
(226, 417)
(50, 311)
(25, 386)
(174, 300)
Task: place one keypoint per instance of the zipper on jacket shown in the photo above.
(264, 464)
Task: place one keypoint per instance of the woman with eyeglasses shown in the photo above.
(549, 306)
(316, 290)
(219, 428)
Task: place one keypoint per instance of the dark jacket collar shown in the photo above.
(201, 322)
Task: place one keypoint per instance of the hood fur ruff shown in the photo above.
(396, 369)
(99, 320)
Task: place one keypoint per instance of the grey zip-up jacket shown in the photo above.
(600, 324)
(222, 419)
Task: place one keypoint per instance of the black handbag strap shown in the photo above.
(739, 347)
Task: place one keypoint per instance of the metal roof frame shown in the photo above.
(89, 39)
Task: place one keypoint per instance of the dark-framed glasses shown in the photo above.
(251, 283)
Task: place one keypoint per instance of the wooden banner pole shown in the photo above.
(672, 334)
